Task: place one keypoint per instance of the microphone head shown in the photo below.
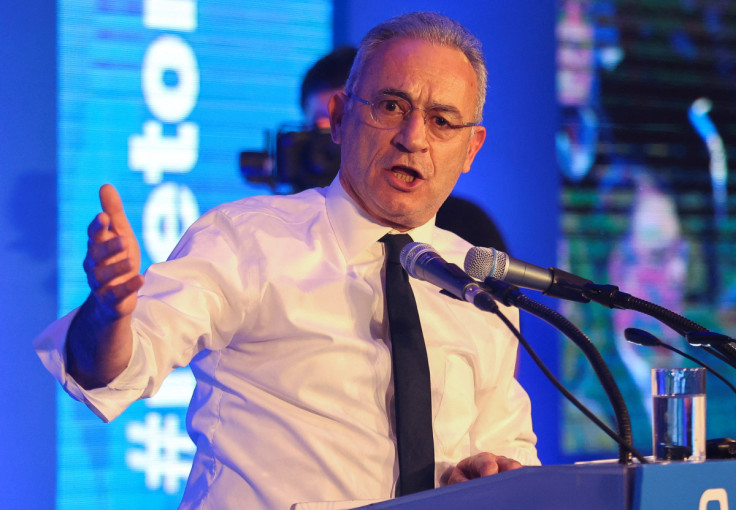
(410, 254)
(707, 338)
(641, 337)
(482, 263)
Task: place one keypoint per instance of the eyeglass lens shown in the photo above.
(390, 111)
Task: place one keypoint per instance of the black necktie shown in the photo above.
(412, 392)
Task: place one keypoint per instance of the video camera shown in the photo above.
(293, 160)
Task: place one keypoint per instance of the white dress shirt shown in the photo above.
(276, 303)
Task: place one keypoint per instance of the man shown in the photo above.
(277, 304)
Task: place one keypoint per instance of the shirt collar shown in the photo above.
(355, 230)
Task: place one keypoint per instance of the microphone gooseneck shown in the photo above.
(490, 264)
(623, 443)
(723, 349)
(421, 261)
(511, 296)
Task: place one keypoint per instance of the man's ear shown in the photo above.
(336, 107)
(476, 142)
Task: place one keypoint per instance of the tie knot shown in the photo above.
(394, 244)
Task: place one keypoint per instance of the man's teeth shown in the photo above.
(404, 176)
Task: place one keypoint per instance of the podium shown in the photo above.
(708, 485)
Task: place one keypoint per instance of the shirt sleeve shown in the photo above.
(184, 307)
(106, 402)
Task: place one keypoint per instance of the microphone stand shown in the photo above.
(610, 296)
(511, 296)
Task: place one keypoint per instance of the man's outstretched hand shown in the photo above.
(99, 341)
(113, 260)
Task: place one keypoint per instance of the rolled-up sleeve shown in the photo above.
(106, 402)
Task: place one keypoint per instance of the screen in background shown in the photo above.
(647, 95)
(158, 97)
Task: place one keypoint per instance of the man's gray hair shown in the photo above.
(431, 27)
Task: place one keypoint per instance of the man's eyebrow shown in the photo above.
(447, 108)
(395, 92)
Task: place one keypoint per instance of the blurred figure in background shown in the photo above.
(324, 79)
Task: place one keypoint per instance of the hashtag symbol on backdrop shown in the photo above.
(166, 454)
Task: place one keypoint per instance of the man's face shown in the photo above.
(401, 176)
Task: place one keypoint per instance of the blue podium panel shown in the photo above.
(706, 486)
(709, 485)
(603, 487)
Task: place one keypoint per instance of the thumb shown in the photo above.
(112, 205)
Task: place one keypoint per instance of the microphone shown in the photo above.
(511, 296)
(707, 339)
(484, 263)
(422, 262)
(641, 337)
(490, 265)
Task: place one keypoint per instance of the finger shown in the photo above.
(102, 255)
(97, 231)
(482, 464)
(506, 464)
(113, 206)
(456, 476)
(106, 252)
(110, 274)
(479, 465)
(113, 297)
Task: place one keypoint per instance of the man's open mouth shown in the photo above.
(404, 174)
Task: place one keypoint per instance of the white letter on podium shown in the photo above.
(717, 495)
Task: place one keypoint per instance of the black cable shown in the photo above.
(702, 364)
(511, 295)
(566, 393)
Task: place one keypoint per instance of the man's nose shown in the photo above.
(412, 135)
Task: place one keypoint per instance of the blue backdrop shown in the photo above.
(514, 177)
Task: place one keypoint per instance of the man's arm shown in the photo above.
(99, 341)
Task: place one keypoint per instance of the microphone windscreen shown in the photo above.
(482, 263)
(410, 254)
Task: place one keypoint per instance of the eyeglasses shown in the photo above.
(389, 111)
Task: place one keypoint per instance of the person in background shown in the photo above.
(324, 79)
(279, 305)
